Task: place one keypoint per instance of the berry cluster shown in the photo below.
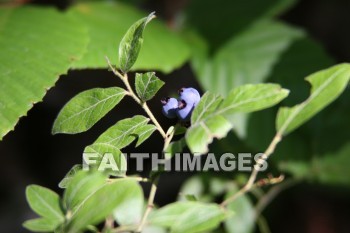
(182, 107)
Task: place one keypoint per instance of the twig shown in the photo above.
(150, 205)
(249, 185)
(125, 80)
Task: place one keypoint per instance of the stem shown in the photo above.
(125, 80)
(249, 185)
(150, 205)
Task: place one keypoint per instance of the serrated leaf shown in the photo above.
(243, 221)
(107, 23)
(81, 186)
(101, 203)
(117, 137)
(123, 133)
(34, 53)
(327, 85)
(70, 174)
(147, 85)
(107, 158)
(40, 225)
(86, 109)
(130, 45)
(45, 203)
(210, 117)
(176, 216)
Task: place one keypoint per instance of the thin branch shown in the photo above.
(125, 80)
(150, 205)
(249, 185)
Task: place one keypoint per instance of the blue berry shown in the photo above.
(170, 106)
(190, 96)
(184, 110)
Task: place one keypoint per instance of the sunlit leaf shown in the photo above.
(40, 225)
(86, 109)
(327, 85)
(108, 21)
(34, 53)
(147, 85)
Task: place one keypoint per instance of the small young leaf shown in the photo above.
(175, 147)
(188, 217)
(86, 109)
(68, 177)
(327, 85)
(80, 187)
(101, 203)
(147, 85)
(131, 43)
(40, 225)
(210, 118)
(45, 203)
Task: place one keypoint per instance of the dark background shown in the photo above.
(31, 154)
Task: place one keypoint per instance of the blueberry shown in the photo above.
(189, 95)
(184, 110)
(169, 107)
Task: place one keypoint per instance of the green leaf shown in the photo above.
(130, 211)
(246, 58)
(147, 85)
(124, 132)
(86, 109)
(330, 169)
(116, 138)
(327, 85)
(218, 21)
(130, 46)
(34, 53)
(107, 158)
(107, 23)
(243, 220)
(45, 203)
(80, 187)
(188, 217)
(101, 203)
(210, 118)
(40, 225)
(175, 147)
(68, 177)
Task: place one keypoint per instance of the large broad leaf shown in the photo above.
(246, 58)
(147, 85)
(101, 203)
(130, 46)
(188, 217)
(327, 85)
(329, 169)
(34, 53)
(209, 119)
(243, 220)
(108, 22)
(219, 20)
(80, 187)
(40, 225)
(117, 137)
(45, 203)
(86, 109)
